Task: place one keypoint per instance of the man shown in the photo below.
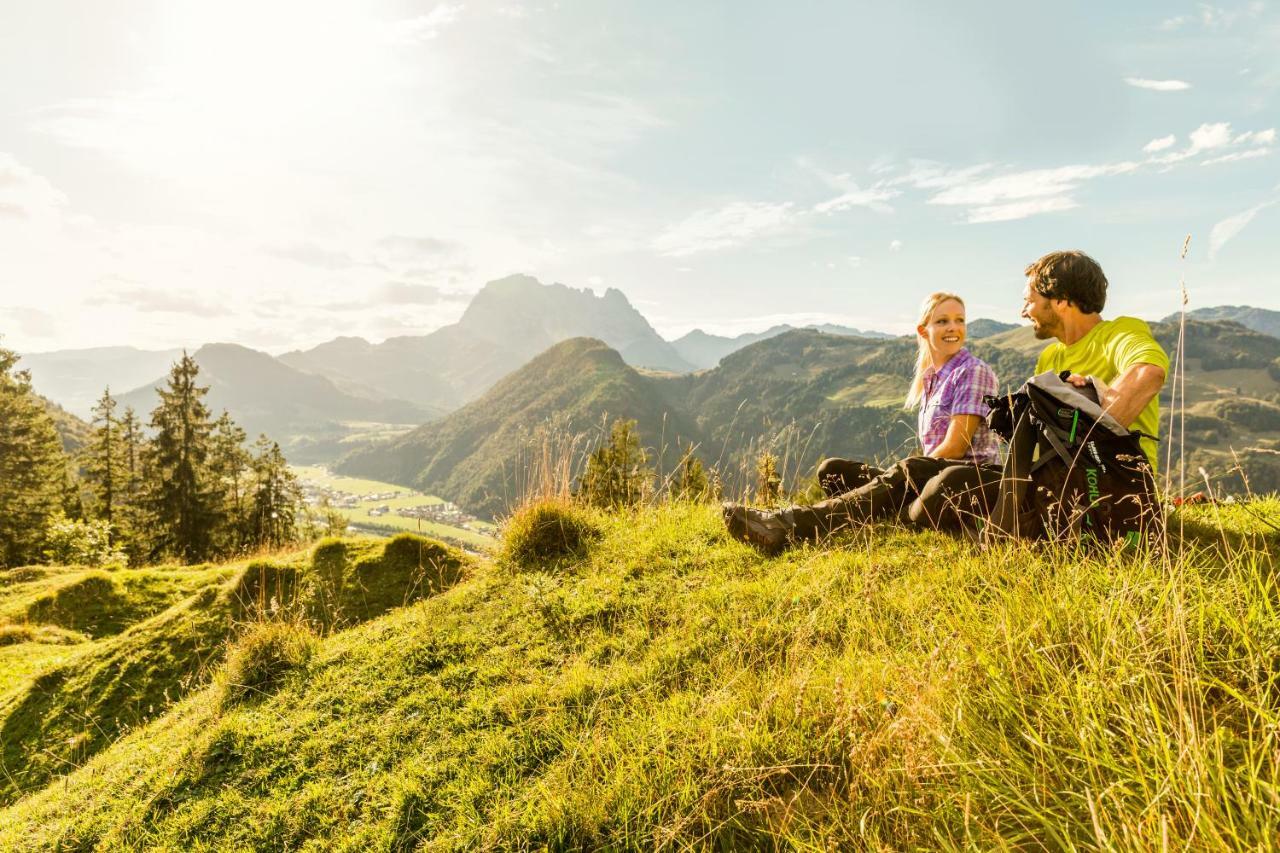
(1063, 298)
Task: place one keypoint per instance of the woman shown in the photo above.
(959, 454)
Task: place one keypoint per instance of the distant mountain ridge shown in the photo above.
(75, 379)
(508, 322)
(305, 413)
(1258, 319)
(704, 350)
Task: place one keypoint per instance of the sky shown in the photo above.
(280, 173)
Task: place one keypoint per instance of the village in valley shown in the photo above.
(372, 506)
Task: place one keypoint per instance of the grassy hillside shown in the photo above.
(88, 655)
(667, 687)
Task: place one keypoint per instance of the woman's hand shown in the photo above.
(955, 444)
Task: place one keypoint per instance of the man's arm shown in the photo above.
(1130, 393)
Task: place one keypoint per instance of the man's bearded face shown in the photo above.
(1045, 321)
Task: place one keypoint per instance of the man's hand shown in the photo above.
(1131, 392)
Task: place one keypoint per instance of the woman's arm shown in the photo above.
(955, 444)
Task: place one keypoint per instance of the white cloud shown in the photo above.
(1208, 136)
(1158, 85)
(873, 198)
(1160, 144)
(851, 194)
(24, 195)
(1251, 154)
(1257, 137)
(1228, 228)
(895, 245)
(1170, 24)
(1020, 209)
(1018, 195)
(726, 227)
(422, 28)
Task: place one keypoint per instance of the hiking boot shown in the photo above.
(768, 531)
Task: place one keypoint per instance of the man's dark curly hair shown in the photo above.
(1073, 276)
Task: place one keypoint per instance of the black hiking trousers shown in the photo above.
(920, 491)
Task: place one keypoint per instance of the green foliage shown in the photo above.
(184, 500)
(768, 482)
(33, 466)
(617, 472)
(546, 533)
(691, 482)
(229, 466)
(276, 497)
(74, 541)
(262, 657)
(104, 467)
(1249, 414)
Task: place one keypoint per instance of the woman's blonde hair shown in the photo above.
(924, 357)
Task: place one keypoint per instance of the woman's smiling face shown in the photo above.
(945, 330)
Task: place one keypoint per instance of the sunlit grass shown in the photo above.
(669, 687)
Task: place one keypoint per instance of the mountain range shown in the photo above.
(75, 379)
(309, 415)
(508, 322)
(802, 395)
(511, 365)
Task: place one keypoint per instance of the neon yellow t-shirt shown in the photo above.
(1106, 351)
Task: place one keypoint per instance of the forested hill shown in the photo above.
(479, 454)
(802, 395)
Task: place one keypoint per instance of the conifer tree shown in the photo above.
(618, 472)
(691, 482)
(182, 500)
(229, 467)
(104, 464)
(276, 496)
(33, 466)
(131, 514)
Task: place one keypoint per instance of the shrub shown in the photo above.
(81, 543)
(259, 660)
(544, 533)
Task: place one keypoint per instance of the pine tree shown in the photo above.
(276, 496)
(618, 472)
(691, 482)
(229, 467)
(131, 514)
(104, 464)
(33, 466)
(182, 500)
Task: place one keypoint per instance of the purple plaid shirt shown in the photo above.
(957, 388)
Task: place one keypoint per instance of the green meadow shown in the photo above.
(638, 680)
